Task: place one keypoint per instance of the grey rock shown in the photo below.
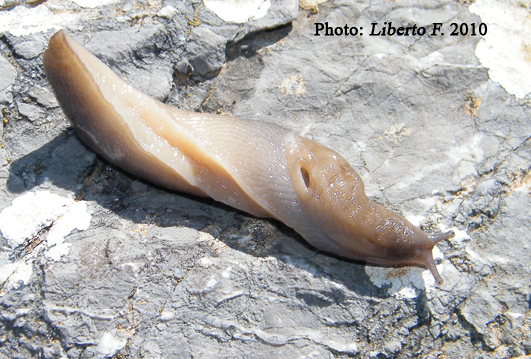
(155, 78)
(280, 12)
(31, 112)
(8, 74)
(159, 274)
(43, 96)
(392, 346)
(115, 46)
(479, 309)
(527, 346)
(130, 53)
(167, 12)
(206, 50)
(29, 46)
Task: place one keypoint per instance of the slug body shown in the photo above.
(259, 168)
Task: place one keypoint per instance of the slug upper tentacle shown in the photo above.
(260, 168)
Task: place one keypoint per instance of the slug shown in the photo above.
(260, 168)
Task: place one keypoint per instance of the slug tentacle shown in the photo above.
(436, 238)
(426, 259)
(260, 168)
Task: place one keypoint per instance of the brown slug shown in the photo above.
(259, 168)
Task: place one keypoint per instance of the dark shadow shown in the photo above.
(254, 41)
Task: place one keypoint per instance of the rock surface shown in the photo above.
(160, 274)
(8, 74)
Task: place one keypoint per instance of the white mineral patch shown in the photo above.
(426, 203)
(109, 345)
(56, 252)
(23, 21)
(205, 262)
(30, 213)
(167, 12)
(404, 285)
(76, 216)
(226, 272)
(210, 284)
(449, 274)
(406, 293)
(415, 178)
(415, 219)
(401, 286)
(429, 281)
(460, 235)
(166, 316)
(437, 253)
(506, 48)
(13, 275)
(466, 157)
(491, 260)
(470, 151)
(91, 4)
(514, 315)
(133, 267)
(424, 63)
(238, 11)
(310, 4)
(34, 211)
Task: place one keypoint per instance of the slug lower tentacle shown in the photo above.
(260, 168)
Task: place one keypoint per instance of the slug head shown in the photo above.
(333, 194)
(406, 245)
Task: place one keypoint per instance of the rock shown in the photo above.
(29, 46)
(206, 50)
(279, 13)
(392, 346)
(480, 308)
(479, 311)
(238, 12)
(167, 12)
(31, 112)
(161, 274)
(238, 18)
(527, 346)
(8, 74)
(130, 52)
(43, 96)
(115, 47)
